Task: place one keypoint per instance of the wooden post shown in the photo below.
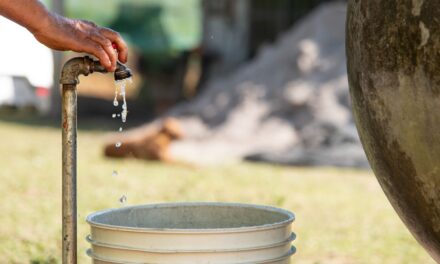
(226, 33)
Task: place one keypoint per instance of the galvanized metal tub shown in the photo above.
(120, 253)
(192, 233)
(281, 260)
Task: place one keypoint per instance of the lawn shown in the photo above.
(342, 215)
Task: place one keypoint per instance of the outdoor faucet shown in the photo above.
(69, 80)
(85, 66)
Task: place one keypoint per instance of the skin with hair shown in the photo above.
(61, 33)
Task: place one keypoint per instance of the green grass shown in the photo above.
(342, 215)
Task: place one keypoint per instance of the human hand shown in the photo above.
(62, 33)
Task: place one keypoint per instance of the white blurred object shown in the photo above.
(308, 57)
(26, 68)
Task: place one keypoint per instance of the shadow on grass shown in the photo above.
(45, 260)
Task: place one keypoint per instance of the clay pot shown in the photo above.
(393, 50)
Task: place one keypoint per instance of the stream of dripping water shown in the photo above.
(120, 90)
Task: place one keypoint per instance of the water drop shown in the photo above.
(123, 199)
(119, 115)
(124, 115)
(114, 173)
(115, 100)
(114, 116)
(118, 144)
(120, 129)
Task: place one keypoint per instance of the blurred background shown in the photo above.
(235, 101)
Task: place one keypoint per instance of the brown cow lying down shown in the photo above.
(150, 142)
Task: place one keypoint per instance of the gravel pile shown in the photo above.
(290, 105)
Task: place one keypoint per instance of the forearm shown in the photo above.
(31, 14)
(61, 33)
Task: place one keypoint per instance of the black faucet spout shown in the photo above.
(122, 72)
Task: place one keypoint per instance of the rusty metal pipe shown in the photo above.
(69, 207)
(69, 80)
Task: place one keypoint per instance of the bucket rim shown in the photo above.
(164, 251)
(292, 251)
(289, 220)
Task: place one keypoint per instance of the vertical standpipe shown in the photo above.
(69, 207)
(69, 80)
